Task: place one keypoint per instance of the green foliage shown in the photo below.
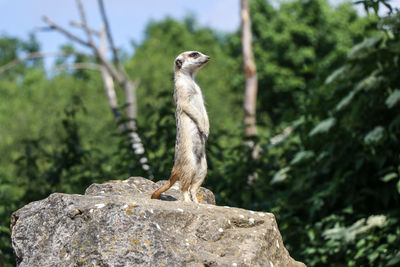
(12, 48)
(296, 47)
(355, 176)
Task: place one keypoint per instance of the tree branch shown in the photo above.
(71, 36)
(84, 21)
(80, 25)
(80, 65)
(34, 55)
(108, 31)
(120, 78)
(110, 72)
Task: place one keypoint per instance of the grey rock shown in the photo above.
(117, 224)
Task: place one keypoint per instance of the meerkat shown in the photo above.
(192, 128)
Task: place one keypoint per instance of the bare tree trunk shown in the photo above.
(130, 102)
(128, 85)
(108, 32)
(250, 95)
(110, 72)
(108, 81)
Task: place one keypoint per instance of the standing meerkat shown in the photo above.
(192, 128)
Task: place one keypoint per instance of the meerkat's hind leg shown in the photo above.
(185, 190)
(186, 195)
(194, 189)
(198, 179)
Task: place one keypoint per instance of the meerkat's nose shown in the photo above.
(208, 58)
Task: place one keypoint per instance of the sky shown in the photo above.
(128, 18)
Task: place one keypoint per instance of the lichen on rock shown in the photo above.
(117, 224)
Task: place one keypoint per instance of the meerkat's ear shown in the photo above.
(178, 63)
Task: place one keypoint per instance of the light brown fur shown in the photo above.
(192, 128)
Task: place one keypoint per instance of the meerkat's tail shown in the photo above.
(166, 186)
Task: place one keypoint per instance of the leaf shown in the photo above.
(280, 176)
(302, 156)
(323, 127)
(4, 229)
(373, 256)
(398, 186)
(362, 49)
(376, 221)
(374, 136)
(388, 177)
(348, 234)
(370, 82)
(337, 74)
(346, 100)
(395, 260)
(391, 238)
(393, 98)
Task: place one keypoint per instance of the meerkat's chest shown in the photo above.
(196, 97)
(187, 91)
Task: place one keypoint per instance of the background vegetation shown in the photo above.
(324, 71)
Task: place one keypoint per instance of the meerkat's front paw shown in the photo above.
(204, 135)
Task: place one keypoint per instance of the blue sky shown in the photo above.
(128, 18)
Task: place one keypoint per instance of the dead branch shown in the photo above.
(71, 36)
(118, 76)
(108, 31)
(80, 66)
(81, 25)
(84, 21)
(109, 73)
(34, 55)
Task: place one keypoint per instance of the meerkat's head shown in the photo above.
(190, 61)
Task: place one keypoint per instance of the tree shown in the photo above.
(295, 48)
(109, 70)
(250, 96)
(340, 195)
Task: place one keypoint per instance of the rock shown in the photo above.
(142, 186)
(117, 224)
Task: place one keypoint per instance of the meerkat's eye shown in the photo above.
(194, 54)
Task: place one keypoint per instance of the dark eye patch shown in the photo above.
(194, 54)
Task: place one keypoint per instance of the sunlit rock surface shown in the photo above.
(117, 224)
